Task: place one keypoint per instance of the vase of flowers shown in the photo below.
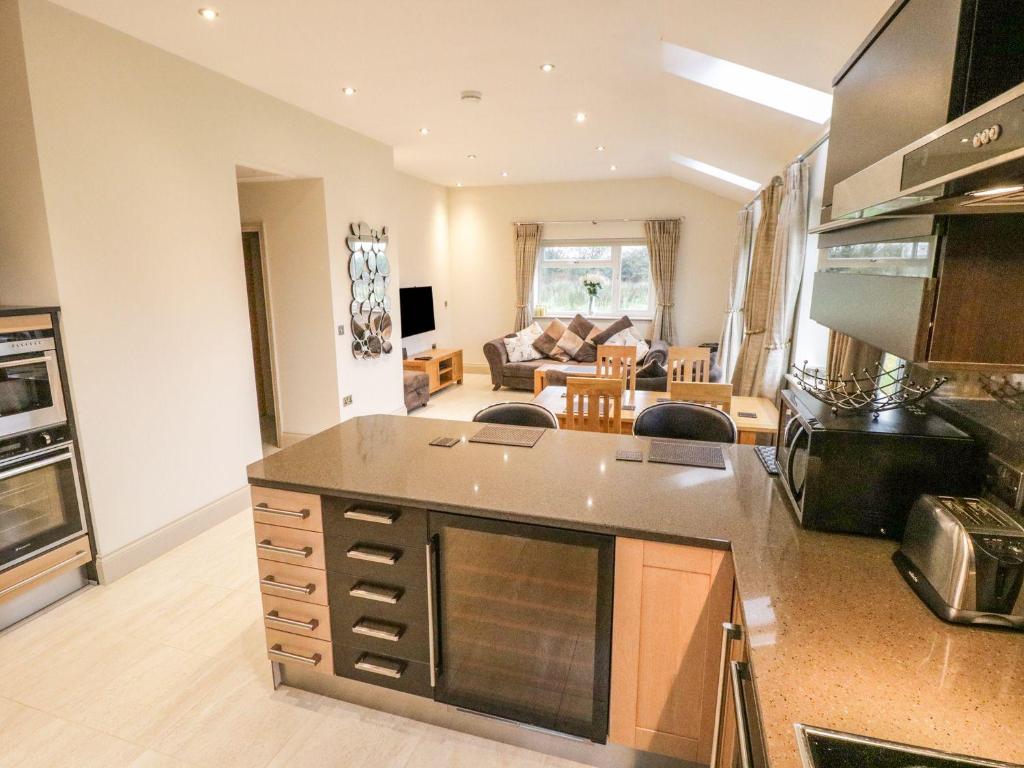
(593, 282)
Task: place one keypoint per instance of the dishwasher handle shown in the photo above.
(740, 671)
(730, 632)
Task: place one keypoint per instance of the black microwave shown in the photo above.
(851, 473)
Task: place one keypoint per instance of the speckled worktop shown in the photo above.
(837, 639)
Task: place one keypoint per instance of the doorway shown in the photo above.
(254, 257)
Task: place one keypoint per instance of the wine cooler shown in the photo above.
(522, 622)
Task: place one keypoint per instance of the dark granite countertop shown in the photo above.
(837, 639)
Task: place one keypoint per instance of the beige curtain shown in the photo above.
(774, 289)
(732, 329)
(848, 356)
(662, 245)
(526, 244)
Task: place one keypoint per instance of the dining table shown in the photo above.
(754, 416)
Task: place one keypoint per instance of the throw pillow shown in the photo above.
(570, 343)
(642, 347)
(602, 337)
(520, 347)
(547, 342)
(586, 352)
(652, 369)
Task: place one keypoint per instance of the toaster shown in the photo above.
(964, 557)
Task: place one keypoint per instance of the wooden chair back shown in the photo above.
(617, 362)
(718, 395)
(594, 404)
(691, 364)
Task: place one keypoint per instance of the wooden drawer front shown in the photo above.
(377, 560)
(414, 676)
(14, 581)
(286, 508)
(295, 582)
(298, 618)
(407, 619)
(374, 522)
(290, 545)
(308, 652)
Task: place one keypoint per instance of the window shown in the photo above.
(623, 265)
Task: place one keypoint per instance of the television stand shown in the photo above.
(442, 366)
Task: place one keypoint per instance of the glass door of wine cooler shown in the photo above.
(523, 622)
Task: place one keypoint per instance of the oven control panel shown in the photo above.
(27, 442)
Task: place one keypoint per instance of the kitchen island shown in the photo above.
(836, 639)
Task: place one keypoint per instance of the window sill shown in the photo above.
(571, 315)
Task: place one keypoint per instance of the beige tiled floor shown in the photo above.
(167, 667)
(462, 401)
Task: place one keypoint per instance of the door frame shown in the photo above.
(271, 342)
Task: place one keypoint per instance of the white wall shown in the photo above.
(483, 265)
(298, 285)
(423, 239)
(137, 152)
(24, 236)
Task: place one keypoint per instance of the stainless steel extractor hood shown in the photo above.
(974, 164)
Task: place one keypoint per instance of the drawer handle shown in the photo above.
(379, 629)
(269, 546)
(373, 555)
(380, 666)
(284, 586)
(371, 516)
(373, 592)
(301, 514)
(274, 616)
(45, 572)
(277, 650)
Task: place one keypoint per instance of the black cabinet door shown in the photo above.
(523, 627)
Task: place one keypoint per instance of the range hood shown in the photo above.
(972, 165)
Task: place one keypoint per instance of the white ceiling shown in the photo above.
(409, 59)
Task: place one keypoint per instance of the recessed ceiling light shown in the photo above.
(599, 148)
(210, 14)
(547, 67)
(581, 117)
(614, 168)
(504, 174)
(348, 90)
(424, 131)
(458, 183)
(751, 84)
(718, 173)
(471, 157)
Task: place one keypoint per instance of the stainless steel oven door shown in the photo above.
(40, 503)
(30, 392)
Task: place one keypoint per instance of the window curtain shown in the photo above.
(776, 271)
(732, 331)
(527, 241)
(663, 245)
(848, 357)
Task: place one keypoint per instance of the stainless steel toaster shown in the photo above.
(964, 558)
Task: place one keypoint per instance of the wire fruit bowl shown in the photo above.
(884, 390)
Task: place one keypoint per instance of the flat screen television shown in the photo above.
(417, 310)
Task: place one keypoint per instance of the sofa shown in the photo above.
(519, 375)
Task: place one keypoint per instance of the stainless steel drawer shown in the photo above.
(357, 662)
(372, 521)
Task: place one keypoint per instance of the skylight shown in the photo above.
(751, 84)
(718, 173)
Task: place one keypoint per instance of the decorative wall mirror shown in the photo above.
(370, 270)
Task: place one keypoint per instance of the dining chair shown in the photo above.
(685, 421)
(691, 364)
(594, 404)
(617, 361)
(517, 414)
(718, 395)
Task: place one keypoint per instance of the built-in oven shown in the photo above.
(40, 498)
(31, 397)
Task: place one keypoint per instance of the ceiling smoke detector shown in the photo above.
(471, 97)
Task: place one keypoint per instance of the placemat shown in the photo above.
(686, 453)
(503, 434)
